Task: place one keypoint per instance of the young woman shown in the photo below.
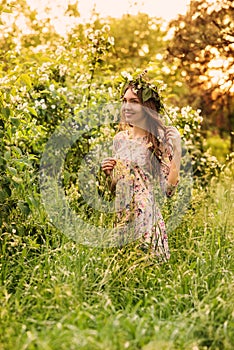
(145, 153)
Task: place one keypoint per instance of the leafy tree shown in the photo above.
(137, 39)
(22, 31)
(203, 47)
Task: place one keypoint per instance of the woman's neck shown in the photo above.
(136, 131)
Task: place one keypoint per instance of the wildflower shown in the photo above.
(4, 80)
(59, 50)
(62, 70)
(97, 32)
(93, 50)
(119, 167)
(122, 170)
(199, 119)
(106, 28)
(213, 159)
(91, 36)
(111, 40)
(44, 77)
(187, 128)
(51, 87)
(159, 139)
(110, 91)
(37, 104)
(126, 75)
(87, 32)
(149, 145)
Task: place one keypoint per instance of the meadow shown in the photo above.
(57, 294)
(61, 295)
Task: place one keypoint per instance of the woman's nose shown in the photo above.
(128, 105)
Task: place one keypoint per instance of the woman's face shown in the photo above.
(132, 109)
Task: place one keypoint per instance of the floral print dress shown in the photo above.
(136, 202)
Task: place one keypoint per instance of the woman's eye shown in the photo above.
(131, 102)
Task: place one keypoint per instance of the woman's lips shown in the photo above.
(128, 114)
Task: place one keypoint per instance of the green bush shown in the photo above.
(217, 146)
(56, 294)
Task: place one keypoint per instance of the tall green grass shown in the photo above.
(56, 295)
(218, 147)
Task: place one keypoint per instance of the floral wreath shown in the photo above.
(138, 82)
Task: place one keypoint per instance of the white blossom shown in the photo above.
(59, 50)
(110, 91)
(111, 40)
(51, 87)
(44, 77)
(62, 70)
(4, 80)
(187, 128)
(126, 75)
(106, 28)
(97, 32)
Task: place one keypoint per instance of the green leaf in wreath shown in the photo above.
(146, 94)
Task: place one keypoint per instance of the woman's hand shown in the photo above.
(108, 165)
(173, 138)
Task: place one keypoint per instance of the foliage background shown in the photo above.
(57, 294)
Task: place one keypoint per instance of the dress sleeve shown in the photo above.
(168, 190)
(117, 140)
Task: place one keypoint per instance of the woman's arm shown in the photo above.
(173, 136)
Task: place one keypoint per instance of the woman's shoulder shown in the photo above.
(118, 140)
(121, 135)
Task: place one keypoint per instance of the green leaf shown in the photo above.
(146, 94)
(15, 121)
(24, 207)
(6, 112)
(3, 195)
(7, 155)
(32, 201)
(16, 179)
(2, 161)
(25, 79)
(32, 111)
(12, 171)
(67, 176)
(16, 150)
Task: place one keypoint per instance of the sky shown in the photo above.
(166, 9)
